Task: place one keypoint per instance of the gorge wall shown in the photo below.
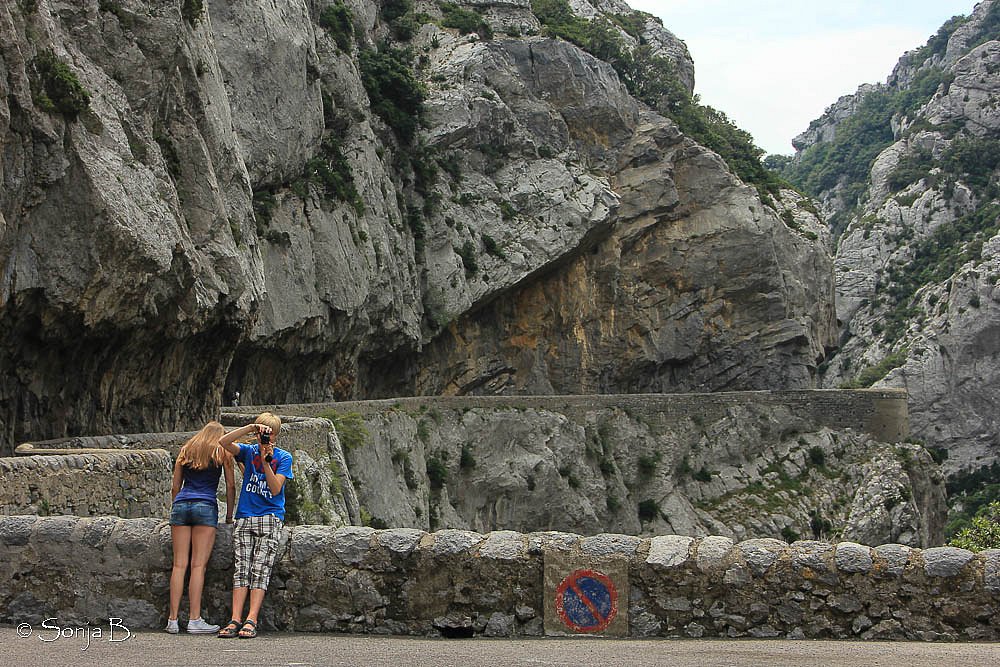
(750, 464)
(789, 465)
(182, 218)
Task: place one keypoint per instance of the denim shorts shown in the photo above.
(194, 513)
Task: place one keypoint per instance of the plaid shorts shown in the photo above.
(255, 542)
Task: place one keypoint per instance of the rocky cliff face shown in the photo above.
(226, 212)
(754, 473)
(918, 267)
(677, 278)
(824, 128)
(124, 288)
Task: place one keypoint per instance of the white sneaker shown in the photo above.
(172, 626)
(199, 627)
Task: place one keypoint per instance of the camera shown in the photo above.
(265, 438)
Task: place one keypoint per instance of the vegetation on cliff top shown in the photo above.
(988, 29)
(846, 160)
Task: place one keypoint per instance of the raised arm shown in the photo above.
(228, 440)
(274, 480)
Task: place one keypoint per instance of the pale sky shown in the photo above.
(774, 65)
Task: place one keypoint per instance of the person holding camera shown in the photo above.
(260, 516)
(193, 518)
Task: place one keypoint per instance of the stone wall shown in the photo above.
(458, 583)
(305, 433)
(172, 442)
(126, 484)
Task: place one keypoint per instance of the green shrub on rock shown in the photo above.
(332, 170)
(402, 21)
(192, 10)
(468, 254)
(350, 428)
(984, 533)
(873, 374)
(648, 510)
(466, 21)
(59, 90)
(396, 95)
(338, 20)
(437, 472)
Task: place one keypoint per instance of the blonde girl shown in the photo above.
(194, 516)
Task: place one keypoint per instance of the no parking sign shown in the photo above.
(582, 595)
(587, 601)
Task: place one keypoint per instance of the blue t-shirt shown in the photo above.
(199, 484)
(255, 497)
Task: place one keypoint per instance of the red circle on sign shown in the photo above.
(571, 585)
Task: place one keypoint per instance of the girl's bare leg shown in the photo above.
(181, 537)
(202, 539)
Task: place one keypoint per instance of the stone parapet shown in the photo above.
(128, 484)
(460, 583)
(322, 491)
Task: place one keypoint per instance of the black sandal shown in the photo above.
(251, 633)
(231, 630)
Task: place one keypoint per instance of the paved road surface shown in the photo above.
(149, 649)
(84, 646)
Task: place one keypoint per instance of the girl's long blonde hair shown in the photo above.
(203, 448)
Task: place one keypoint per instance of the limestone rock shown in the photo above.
(126, 233)
(852, 557)
(274, 130)
(598, 470)
(824, 128)
(945, 561)
(169, 244)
